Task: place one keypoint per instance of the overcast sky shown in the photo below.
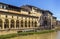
(52, 5)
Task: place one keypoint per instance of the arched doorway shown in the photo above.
(12, 23)
(0, 23)
(32, 24)
(17, 23)
(6, 23)
(35, 24)
(29, 23)
(45, 23)
(21, 23)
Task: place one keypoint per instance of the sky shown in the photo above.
(52, 5)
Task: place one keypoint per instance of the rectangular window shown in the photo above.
(4, 6)
(0, 6)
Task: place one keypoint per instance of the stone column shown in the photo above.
(51, 22)
(9, 23)
(30, 23)
(15, 24)
(27, 23)
(23, 22)
(37, 22)
(19, 24)
(34, 23)
(3, 24)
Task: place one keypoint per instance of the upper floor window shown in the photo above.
(6, 16)
(12, 16)
(0, 6)
(29, 13)
(3, 6)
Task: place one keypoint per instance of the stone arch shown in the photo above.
(1, 23)
(21, 23)
(35, 24)
(32, 23)
(17, 23)
(45, 22)
(6, 23)
(29, 23)
(12, 23)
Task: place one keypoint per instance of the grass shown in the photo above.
(24, 33)
(41, 32)
(8, 36)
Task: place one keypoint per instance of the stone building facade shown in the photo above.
(58, 23)
(13, 19)
(54, 22)
(24, 18)
(46, 19)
